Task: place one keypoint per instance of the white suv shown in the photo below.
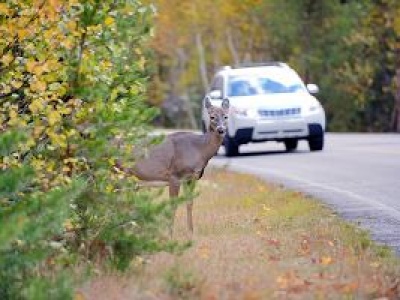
(268, 102)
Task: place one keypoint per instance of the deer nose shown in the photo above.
(221, 130)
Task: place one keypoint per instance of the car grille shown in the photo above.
(286, 112)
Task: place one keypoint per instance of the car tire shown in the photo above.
(316, 143)
(291, 144)
(231, 147)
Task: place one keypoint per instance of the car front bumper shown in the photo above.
(251, 130)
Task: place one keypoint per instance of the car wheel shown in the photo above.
(231, 147)
(316, 143)
(291, 144)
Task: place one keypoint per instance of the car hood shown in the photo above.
(273, 101)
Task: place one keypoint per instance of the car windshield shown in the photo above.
(264, 83)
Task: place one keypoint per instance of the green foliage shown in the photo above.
(73, 78)
(27, 251)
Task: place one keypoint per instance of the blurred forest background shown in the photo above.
(82, 80)
(351, 49)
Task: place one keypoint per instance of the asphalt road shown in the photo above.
(358, 175)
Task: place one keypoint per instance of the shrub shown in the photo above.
(73, 76)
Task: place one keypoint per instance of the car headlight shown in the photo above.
(315, 108)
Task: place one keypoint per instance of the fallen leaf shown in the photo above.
(79, 296)
(274, 242)
(326, 260)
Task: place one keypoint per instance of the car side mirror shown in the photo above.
(313, 88)
(215, 94)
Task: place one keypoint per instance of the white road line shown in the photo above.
(374, 203)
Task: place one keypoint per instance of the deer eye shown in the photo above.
(212, 118)
(225, 117)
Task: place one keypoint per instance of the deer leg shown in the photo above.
(189, 191)
(189, 211)
(174, 187)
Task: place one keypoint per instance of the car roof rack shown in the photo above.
(253, 65)
(260, 64)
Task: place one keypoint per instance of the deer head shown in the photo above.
(218, 116)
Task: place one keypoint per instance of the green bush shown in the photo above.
(71, 104)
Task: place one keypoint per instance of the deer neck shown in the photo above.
(212, 142)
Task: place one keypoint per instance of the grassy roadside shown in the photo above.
(258, 241)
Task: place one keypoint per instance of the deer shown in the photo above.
(182, 157)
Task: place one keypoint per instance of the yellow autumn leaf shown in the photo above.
(16, 84)
(109, 188)
(67, 43)
(204, 252)
(282, 281)
(68, 226)
(37, 131)
(38, 164)
(109, 21)
(141, 63)
(36, 105)
(5, 89)
(22, 33)
(266, 208)
(13, 114)
(38, 86)
(4, 10)
(53, 117)
(50, 167)
(7, 59)
(106, 64)
(40, 69)
(30, 142)
(30, 65)
(59, 140)
(55, 4)
(71, 25)
(79, 296)
(71, 132)
(52, 64)
(326, 260)
(375, 264)
(48, 34)
(73, 2)
(19, 122)
(65, 110)
(56, 88)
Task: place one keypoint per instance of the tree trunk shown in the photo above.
(215, 53)
(232, 48)
(202, 61)
(396, 108)
(184, 95)
(189, 110)
(307, 27)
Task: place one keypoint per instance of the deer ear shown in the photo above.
(207, 103)
(225, 104)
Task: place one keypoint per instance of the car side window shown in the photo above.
(217, 84)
